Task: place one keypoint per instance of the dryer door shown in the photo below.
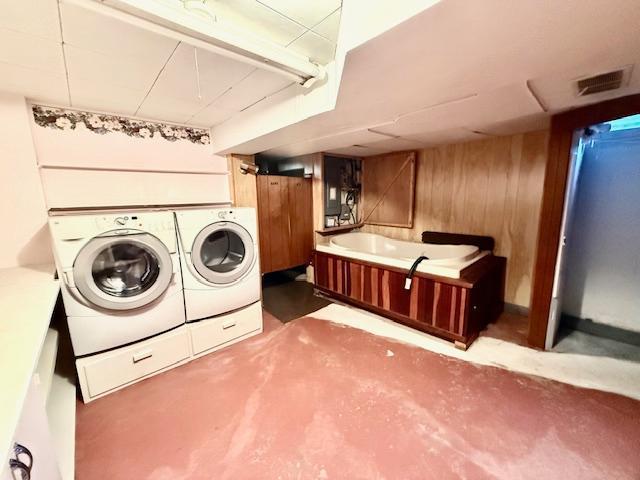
(223, 252)
(123, 271)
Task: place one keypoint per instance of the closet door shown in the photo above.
(300, 220)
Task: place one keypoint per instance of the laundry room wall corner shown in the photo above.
(25, 238)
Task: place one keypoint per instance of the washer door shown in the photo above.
(222, 252)
(124, 271)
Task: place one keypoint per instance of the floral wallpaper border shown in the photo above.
(61, 119)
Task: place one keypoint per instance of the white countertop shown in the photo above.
(27, 298)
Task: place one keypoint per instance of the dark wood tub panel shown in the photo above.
(454, 309)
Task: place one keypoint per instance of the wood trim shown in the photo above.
(555, 182)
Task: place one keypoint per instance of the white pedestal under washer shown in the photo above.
(121, 280)
(220, 260)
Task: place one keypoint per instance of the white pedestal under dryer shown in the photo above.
(221, 275)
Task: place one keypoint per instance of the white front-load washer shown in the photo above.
(220, 264)
(121, 280)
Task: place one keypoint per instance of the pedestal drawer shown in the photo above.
(215, 332)
(116, 368)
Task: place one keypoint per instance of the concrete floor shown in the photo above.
(581, 343)
(607, 373)
(315, 400)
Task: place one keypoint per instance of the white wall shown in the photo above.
(603, 260)
(81, 168)
(25, 235)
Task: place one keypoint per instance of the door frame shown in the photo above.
(553, 197)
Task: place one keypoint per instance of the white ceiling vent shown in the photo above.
(603, 82)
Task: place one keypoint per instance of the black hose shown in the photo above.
(412, 271)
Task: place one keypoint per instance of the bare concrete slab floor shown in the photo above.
(315, 400)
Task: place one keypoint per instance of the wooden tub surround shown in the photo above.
(456, 309)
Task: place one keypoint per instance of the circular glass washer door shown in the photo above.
(123, 272)
(222, 252)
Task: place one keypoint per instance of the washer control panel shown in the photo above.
(226, 215)
(135, 221)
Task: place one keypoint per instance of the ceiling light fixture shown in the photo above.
(179, 24)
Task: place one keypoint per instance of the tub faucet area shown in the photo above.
(412, 271)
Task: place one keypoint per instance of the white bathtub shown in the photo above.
(444, 260)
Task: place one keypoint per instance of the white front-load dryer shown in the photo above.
(220, 261)
(121, 280)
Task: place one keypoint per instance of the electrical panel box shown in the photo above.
(341, 190)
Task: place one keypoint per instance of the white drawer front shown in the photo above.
(127, 364)
(217, 331)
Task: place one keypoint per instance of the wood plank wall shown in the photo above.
(243, 188)
(486, 187)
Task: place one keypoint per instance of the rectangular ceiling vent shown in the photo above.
(603, 82)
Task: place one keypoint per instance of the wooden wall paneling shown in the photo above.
(388, 189)
(488, 187)
(244, 187)
(317, 196)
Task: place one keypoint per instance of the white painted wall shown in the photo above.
(25, 235)
(603, 259)
(81, 168)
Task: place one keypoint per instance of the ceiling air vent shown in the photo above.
(602, 83)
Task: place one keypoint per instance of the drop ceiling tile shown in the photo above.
(91, 31)
(217, 74)
(104, 97)
(498, 105)
(396, 144)
(34, 84)
(540, 121)
(122, 71)
(253, 88)
(257, 20)
(327, 143)
(308, 13)
(167, 109)
(31, 52)
(359, 151)
(211, 116)
(33, 17)
(329, 27)
(455, 135)
(317, 48)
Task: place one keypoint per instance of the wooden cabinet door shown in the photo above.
(262, 182)
(300, 220)
(285, 221)
(279, 228)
